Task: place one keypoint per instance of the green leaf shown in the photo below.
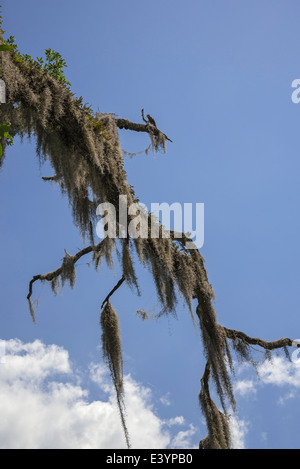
(1, 151)
(4, 133)
(4, 128)
(5, 47)
(9, 138)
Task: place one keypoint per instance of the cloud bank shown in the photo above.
(45, 405)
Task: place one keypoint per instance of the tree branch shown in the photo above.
(49, 276)
(51, 178)
(148, 127)
(218, 423)
(52, 275)
(120, 282)
(233, 334)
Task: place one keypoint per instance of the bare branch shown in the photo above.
(51, 178)
(143, 117)
(120, 282)
(233, 334)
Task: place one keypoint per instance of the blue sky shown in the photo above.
(216, 76)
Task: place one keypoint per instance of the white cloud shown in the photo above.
(280, 371)
(244, 387)
(283, 399)
(183, 439)
(264, 436)
(32, 360)
(43, 404)
(165, 399)
(175, 421)
(238, 431)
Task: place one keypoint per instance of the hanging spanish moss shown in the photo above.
(68, 272)
(127, 265)
(84, 151)
(216, 352)
(112, 354)
(217, 422)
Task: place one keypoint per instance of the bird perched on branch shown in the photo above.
(151, 120)
(153, 129)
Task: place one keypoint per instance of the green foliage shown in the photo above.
(5, 47)
(5, 133)
(53, 62)
(54, 65)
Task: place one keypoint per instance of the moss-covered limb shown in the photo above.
(53, 63)
(238, 335)
(216, 351)
(148, 128)
(84, 151)
(30, 66)
(51, 276)
(217, 422)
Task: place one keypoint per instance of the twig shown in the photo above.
(120, 282)
(50, 178)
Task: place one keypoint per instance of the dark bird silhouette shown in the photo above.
(151, 120)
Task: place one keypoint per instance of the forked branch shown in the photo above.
(56, 273)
